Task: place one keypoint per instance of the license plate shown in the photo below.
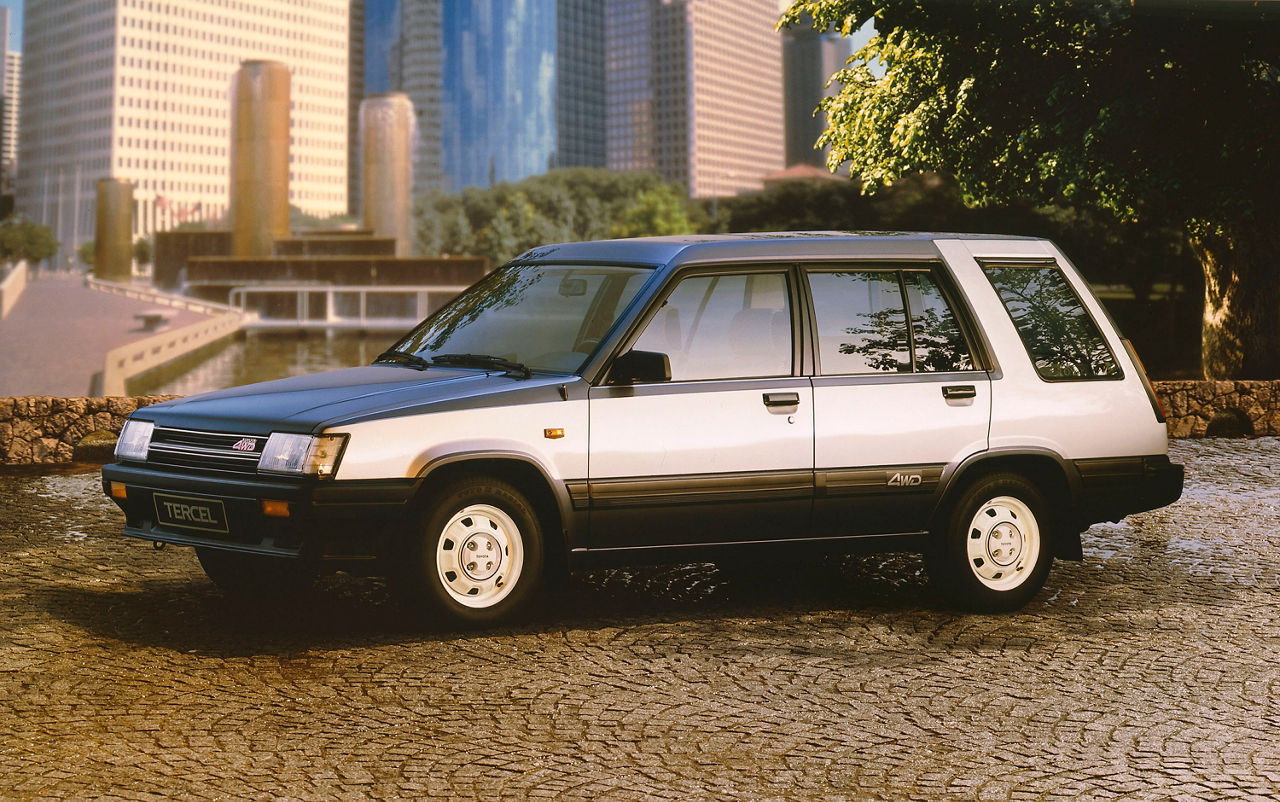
(185, 512)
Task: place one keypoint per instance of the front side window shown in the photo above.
(724, 326)
(886, 321)
(1061, 338)
(547, 317)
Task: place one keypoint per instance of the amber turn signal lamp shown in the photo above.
(553, 434)
(275, 509)
(118, 490)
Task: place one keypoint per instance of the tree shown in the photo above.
(22, 239)
(502, 221)
(86, 252)
(1153, 113)
(660, 211)
(142, 250)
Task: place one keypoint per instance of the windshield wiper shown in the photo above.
(516, 369)
(412, 360)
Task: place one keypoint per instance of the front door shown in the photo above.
(724, 451)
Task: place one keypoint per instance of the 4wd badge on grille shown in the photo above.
(245, 444)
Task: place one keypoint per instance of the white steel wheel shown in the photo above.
(476, 557)
(479, 556)
(1003, 543)
(995, 547)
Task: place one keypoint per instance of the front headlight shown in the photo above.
(302, 453)
(135, 439)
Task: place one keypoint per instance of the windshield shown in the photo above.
(545, 317)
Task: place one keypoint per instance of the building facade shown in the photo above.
(501, 90)
(695, 92)
(10, 73)
(12, 108)
(809, 58)
(140, 90)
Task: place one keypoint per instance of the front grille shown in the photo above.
(184, 448)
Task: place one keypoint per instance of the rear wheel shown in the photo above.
(477, 557)
(995, 552)
(248, 575)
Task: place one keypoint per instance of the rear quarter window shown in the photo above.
(1060, 336)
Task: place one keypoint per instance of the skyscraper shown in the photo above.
(501, 90)
(139, 90)
(355, 94)
(415, 66)
(809, 58)
(10, 72)
(695, 91)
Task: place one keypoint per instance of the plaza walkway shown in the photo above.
(58, 335)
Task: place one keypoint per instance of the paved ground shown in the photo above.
(58, 335)
(1151, 670)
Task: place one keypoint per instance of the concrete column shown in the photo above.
(259, 157)
(386, 137)
(113, 231)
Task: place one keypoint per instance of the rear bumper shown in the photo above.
(1112, 488)
(326, 520)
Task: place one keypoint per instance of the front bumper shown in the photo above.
(1112, 488)
(326, 519)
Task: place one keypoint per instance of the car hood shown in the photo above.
(323, 400)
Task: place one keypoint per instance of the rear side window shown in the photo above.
(1063, 341)
(885, 321)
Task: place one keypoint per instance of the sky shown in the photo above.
(15, 22)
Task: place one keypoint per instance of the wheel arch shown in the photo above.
(549, 499)
(1054, 476)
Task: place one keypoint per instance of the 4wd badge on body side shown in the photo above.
(897, 479)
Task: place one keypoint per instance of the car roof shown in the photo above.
(756, 246)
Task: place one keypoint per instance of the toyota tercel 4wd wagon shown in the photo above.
(680, 398)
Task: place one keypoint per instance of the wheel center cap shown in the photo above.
(1004, 544)
(481, 556)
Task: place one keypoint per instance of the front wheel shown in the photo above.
(478, 556)
(995, 551)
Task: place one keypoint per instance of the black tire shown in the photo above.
(476, 558)
(995, 547)
(255, 575)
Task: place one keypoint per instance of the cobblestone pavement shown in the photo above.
(1150, 670)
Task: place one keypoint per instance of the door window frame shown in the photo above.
(975, 338)
(801, 358)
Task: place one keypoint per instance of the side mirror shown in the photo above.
(640, 367)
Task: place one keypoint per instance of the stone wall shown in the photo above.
(1221, 408)
(45, 430)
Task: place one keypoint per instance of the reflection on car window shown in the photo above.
(549, 317)
(935, 333)
(1061, 338)
(721, 327)
(862, 325)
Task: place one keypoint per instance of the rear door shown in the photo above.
(899, 393)
(724, 451)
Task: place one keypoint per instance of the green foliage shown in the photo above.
(22, 239)
(142, 251)
(660, 211)
(86, 252)
(503, 221)
(1135, 253)
(1156, 115)
(1143, 113)
(300, 221)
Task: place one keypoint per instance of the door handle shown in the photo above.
(959, 391)
(782, 399)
